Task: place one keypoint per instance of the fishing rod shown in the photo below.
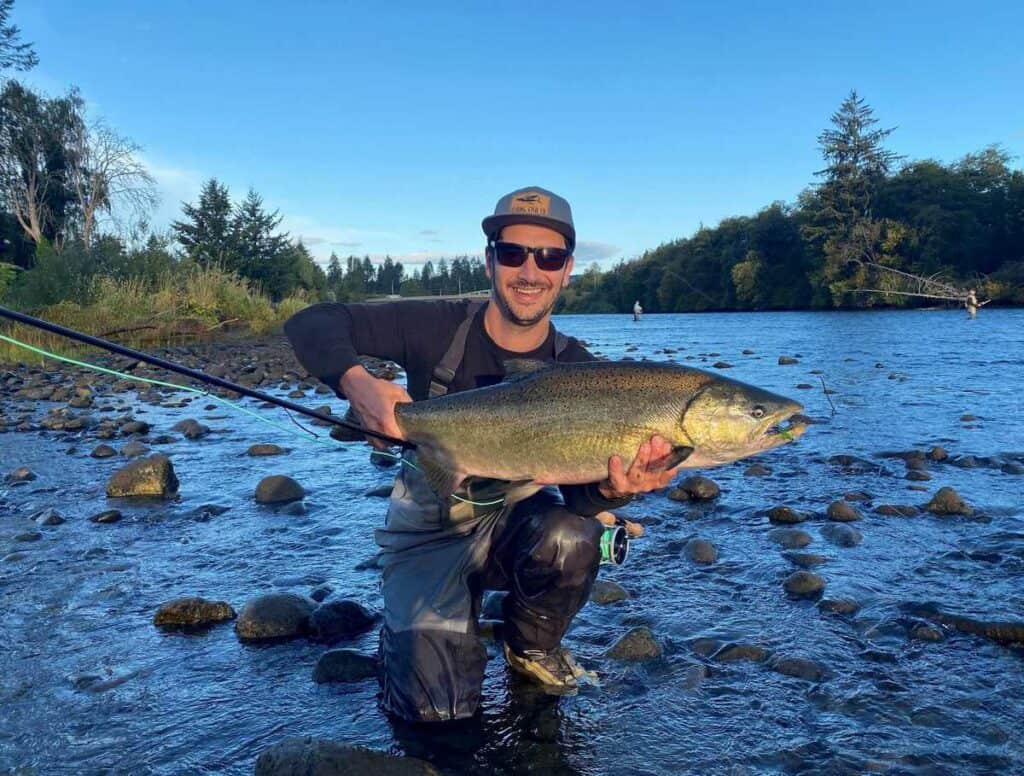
(194, 374)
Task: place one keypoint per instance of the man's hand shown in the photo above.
(374, 400)
(646, 473)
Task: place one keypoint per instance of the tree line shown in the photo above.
(871, 212)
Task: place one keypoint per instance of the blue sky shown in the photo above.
(394, 129)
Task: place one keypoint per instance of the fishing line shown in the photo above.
(333, 442)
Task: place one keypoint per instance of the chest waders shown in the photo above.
(437, 558)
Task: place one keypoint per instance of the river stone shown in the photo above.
(192, 613)
(938, 453)
(106, 516)
(722, 365)
(1013, 467)
(897, 510)
(805, 560)
(21, 474)
(799, 667)
(734, 653)
(841, 535)
(916, 475)
(135, 427)
(756, 470)
(48, 517)
(967, 462)
(28, 536)
(344, 665)
(857, 495)
(638, 644)
(804, 584)
(134, 449)
(841, 512)
(839, 605)
(339, 619)
(926, 632)
(695, 488)
(191, 429)
(274, 616)
(789, 538)
(103, 451)
(278, 489)
(264, 450)
(784, 515)
(311, 756)
(701, 551)
(13, 557)
(152, 476)
(948, 502)
(321, 592)
(787, 360)
(605, 591)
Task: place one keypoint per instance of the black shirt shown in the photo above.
(329, 337)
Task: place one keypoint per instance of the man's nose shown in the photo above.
(529, 269)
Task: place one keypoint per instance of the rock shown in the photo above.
(784, 515)
(916, 475)
(968, 418)
(938, 453)
(839, 605)
(841, 512)
(897, 510)
(841, 535)
(321, 592)
(191, 429)
(804, 584)
(701, 551)
(21, 474)
(948, 502)
(204, 512)
(787, 360)
(28, 536)
(966, 462)
(48, 517)
(805, 560)
(696, 488)
(152, 476)
(722, 365)
(134, 449)
(339, 619)
(926, 632)
(384, 491)
(106, 516)
(135, 427)
(851, 464)
(789, 538)
(264, 450)
(274, 616)
(638, 644)
(192, 613)
(278, 489)
(798, 667)
(748, 352)
(103, 451)
(756, 470)
(1013, 467)
(804, 386)
(857, 495)
(344, 665)
(605, 592)
(319, 757)
(734, 653)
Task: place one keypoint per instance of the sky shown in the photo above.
(393, 128)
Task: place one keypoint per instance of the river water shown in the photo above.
(89, 685)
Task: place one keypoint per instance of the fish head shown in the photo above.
(728, 420)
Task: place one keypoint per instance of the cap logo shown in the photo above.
(531, 202)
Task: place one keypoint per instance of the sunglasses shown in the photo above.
(510, 254)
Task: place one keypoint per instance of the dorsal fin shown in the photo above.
(516, 368)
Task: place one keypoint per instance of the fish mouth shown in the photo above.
(787, 428)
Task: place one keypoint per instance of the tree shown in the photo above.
(13, 54)
(262, 254)
(206, 231)
(36, 153)
(108, 178)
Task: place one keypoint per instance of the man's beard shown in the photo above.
(498, 292)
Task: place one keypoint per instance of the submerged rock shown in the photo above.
(103, 451)
(320, 757)
(948, 502)
(799, 668)
(339, 619)
(839, 605)
(265, 450)
(638, 644)
(897, 510)
(48, 517)
(789, 538)
(21, 474)
(756, 470)
(841, 512)
(804, 584)
(805, 560)
(191, 429)
(785, 516)
(278, 489)
(733, 653)
(344, 665)
(605, 591)
(841, 535)
(788, 361)
(695, 488)
(275, 616)
(701, 551)
(152, 476)
(192, 613)
(107, 516)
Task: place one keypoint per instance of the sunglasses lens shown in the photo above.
(510, 254)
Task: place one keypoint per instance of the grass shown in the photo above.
(193, 306)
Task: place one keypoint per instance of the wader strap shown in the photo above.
(444, 372)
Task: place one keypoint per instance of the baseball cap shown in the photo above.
(532, 205)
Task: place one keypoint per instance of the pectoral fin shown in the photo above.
(679, 454)
(439, 475)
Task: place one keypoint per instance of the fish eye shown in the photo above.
(758, 411)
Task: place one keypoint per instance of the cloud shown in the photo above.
(429, 232)
(587, 251)
(421, 257)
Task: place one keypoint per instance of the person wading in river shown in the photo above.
(438, 558)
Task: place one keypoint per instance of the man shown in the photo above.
(540, 544)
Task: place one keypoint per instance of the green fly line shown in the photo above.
(237, 407)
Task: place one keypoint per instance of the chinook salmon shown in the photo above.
(560, 423)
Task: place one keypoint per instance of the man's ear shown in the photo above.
(567, 271)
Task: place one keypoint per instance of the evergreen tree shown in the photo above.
(206, 231)
(264, 256)
(13, 53)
